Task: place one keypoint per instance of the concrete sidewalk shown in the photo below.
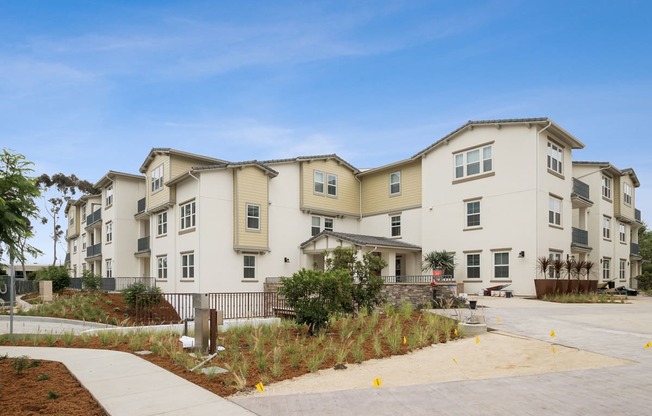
(125, 384)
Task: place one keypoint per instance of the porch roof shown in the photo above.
(363, 240)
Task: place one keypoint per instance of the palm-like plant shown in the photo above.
(588, 265)
(543, 264)
(579, 267)
(438, 260)
(557, 266)
(569, 268)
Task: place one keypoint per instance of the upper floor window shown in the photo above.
(554, 210)
(395, 221)
(395, 183)
(332, 185)
(109, 196)
(621, 272)
(555, 158)
(249, 271)
(109, 232)
(83, 241)
(473, 214)
(74, 246)
(318, 182)
(188, 215)
(187, 265)
(501, 265)
(627, 193)
(473, 266)
(473, 162)
(71, 216)
(162, 223)
(157, 178)
(83, 212)
(606, 227)
(162, 267)
(606, 187)
(621, 233)
(253, 217)
(328, 224)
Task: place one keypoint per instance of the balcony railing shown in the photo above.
(637, 215)
(141, 205)
(94, 217)
(94, 250)
(635, 249)
(581, 189)
(143, 244)
(580, 237)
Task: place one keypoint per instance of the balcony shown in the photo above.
(142, 203)
(143, 244)
(635, 250)
(581, 194)
(637, 216)
(580, 239)
(94, 217)
(94, 250)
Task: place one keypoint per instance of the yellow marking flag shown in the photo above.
(554, 351)
(648, 345)
(404, 340)
(454, 360)
(260, 386)
(378, 382)
(455, 332)
(477, 340)
(552, 333)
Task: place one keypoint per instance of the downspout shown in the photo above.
(197, 224)
(536, 217)
(359, 198)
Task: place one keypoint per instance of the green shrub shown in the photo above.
(90, 280)
(138, 295)
(57, 274)
(645, 282)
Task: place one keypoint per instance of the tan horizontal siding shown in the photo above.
(375, 189)
(162, 196)
(348, 190)
(251, 187)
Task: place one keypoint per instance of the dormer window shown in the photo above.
(157, 178)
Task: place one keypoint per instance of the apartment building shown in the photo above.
(498, 194)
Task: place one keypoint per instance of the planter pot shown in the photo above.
(593, 286)
(573, 286)
(473, 304)
(562, 286)
(584, 286)
(544, 287)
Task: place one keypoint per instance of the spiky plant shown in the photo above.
(543, 264)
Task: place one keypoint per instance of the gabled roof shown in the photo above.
(111, 175)
(603, 166)
(537, 121)
(363, 240)
(198, 169)
(310, 158)
(173, 152)
(630, 172)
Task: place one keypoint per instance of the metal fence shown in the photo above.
(114, 284)
(417, 279)
(22, 287)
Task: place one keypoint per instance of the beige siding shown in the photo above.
(180, 165)
(620, 206)
(376, 196)
(73, 226)
(347, 201)
(161, 196)
(250, 187)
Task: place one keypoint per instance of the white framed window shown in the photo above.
(318, 182)
(332, 184)
(621, 269)
(84, 241)
(328, 224)
(606, 187)
(187, 215)
(395, 183)
(473, 214)
(187, 265)
(83, 212)
(253, 217)
(316, 225)
(108, 200)
(109, 268)
(606, 268)
(627, 194)
(606, 227)
(74, 246)
(501, 265)
(162, 223)
(554, 210)
(71, 216)
(395, 224)
(162, 267)
(555, 158)
(157, 178)
(473, 266)
(249, 269)
(621, 233)
(554, 256)
(109, 232)
(83, 267)
(473, 162)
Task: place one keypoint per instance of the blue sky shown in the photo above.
(89, 86)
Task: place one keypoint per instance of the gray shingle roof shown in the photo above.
(363, 240)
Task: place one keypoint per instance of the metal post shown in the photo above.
(12, 294)
(212, 320)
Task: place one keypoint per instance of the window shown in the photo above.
(606, 228)
(554, 211)
(71, 216)
(318, 186)
(162, 267)
(83, 267)
(109, 268)
(253, 217)
(83, 213)
(473, 162)
(157, 178)
(74, 246)
(328, 224)
(83, 241)
(554, 256)
(249, 266)
(627, 193)
(621, 233)
(332, 185)
(187, 265)
(395, 221)
(621, 271)
(162, 223)
(473, 214)
(109, 232)
(555, 158)
(395, 183)
(501, 265)
(316, 225)
(109, 196)
(188, 215)
(606, 268)
(606, 187)
(473, 266)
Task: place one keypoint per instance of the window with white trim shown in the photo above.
(187, 265)
(395, 221)
(606, 268)
(332, 184)
(316, 228)
(318, 182)
(253, 217)
(83, 241)
(157, 178)
(249, 271)
(473, 266)
(555, 158)
(162, 223)
(473, 162)
(328, 224)
(501, 265)
(395, 183)
(109, 232)
(162, 267)
(316, 225)
(473, 214)
(554, 256)
(606, 227)
(554, 210)
(606, 187)
(108, 201)
(83, 212)
(71, 216)
(187, 215)
(622, 235)
(621, 269)
(109, 268)
(627, 193)
(74, 246)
